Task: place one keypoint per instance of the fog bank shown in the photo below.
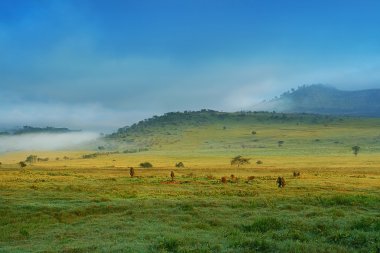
(45, 141)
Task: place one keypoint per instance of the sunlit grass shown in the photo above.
(93, 205)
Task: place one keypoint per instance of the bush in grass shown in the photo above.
(355, 150)
(31, 159)
(258, 162)
(239, 160)
(146, 165)
(179, 165)
(22, 164)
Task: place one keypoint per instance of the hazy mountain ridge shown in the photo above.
(322, 99)
(34, 130)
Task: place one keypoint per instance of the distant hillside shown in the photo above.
(323, 99)
(30, 129)
(212, 130)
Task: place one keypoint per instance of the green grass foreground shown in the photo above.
(104, 210)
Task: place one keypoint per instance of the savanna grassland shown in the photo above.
(86, 200)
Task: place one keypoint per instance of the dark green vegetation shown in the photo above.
(33, 130)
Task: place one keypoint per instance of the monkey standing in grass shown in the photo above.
(281, 182)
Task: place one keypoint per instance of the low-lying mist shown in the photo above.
(46, 141)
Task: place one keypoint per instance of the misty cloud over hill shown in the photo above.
(326, 100)
(45, 141)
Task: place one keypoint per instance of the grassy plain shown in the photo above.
(93, 205)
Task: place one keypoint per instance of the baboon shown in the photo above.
(296, 173)
(131, 171)
(172, 175)
(224, 180)
(250, 178)
(281, 182)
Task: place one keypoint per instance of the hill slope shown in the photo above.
(249, 133)
(326, 100)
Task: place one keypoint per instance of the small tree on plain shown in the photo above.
(31, 159)
(280, 143)
(355, 150)
(22, 164)
(179, 165)
(239, 160)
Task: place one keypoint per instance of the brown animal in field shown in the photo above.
(172, 175)
(132, 171)
(281, 182)
(296, 173)
(250, 178)
(224, 180)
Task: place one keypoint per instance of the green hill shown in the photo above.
(218, 133)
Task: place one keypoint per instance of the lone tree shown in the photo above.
(172, 175)
(355, 150)
(31, 159)
(280, 143)
(132, 171)
(239, 160)
(22, 164)
(180, 165)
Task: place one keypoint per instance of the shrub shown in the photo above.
(253, 132)
(258, 162)
(22, 164)
(179, 165)
(239, 160)
(146, 165)
(355, 150)
(31, 159)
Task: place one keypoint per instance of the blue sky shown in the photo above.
(104, 64)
